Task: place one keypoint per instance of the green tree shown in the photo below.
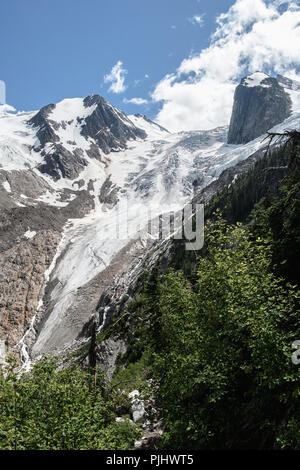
(225, 371)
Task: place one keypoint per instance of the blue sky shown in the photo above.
(54, 49)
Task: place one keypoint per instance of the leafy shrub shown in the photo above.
(58, 409)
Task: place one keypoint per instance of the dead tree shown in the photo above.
(289, 139)
(93, 350)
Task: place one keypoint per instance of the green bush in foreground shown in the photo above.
(52, 410)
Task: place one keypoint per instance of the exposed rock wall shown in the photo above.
(22, 269)
(256, 109)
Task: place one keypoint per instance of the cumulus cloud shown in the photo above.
(6, 108)
(253, 35)
(137, 101)
(197, 20)
(117, 78)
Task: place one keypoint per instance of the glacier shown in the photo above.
(153, 175)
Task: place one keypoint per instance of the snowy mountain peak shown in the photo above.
(89, 116)
(70, 109)
(75, 130)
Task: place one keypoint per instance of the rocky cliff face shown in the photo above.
(260, 102)
(22, 269)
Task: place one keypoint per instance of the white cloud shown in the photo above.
(197, 20)
(252, 35)
(137, 101)
(6, 108)
(117, 78)
(291, 3)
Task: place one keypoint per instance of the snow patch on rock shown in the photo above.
(256, 79)
(29, 234)
(6, 186)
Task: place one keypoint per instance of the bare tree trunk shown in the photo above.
(93, 350)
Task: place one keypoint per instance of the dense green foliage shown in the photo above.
(278, 220)
(221, 347)
(65, 409)
(224, 362)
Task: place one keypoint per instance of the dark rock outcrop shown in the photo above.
(62, 163)
(288, 83)
(109, 193)
(46, 132)
(108, 126)
(258, 106)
